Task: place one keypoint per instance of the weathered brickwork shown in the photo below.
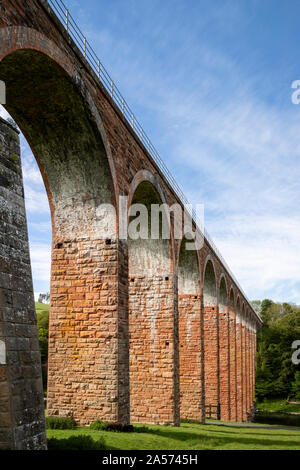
(232, 365)
(224, 364)
(211, 348)
(136, 333)
(239, 371)
(153, 397)
(84, 329)
(190, 354)
(21, 400)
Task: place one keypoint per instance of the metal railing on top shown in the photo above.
(95, 63)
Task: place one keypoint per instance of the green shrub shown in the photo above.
(115, 427)
(76, 443)
(59, 422)
(99, 425)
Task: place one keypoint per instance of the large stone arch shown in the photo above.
(153, 318)
(211, 333)
(56, 112)
(224, 348)
(18, 39)
(190, 333)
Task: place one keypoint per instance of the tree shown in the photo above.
(44, 298)
(276, 375)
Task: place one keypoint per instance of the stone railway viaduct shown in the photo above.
(140, 330)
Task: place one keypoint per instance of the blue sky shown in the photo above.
(211, 84)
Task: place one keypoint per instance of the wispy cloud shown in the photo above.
(204, 101)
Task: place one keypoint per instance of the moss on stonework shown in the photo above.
(14, 157)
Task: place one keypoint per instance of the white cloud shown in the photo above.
(40, 261)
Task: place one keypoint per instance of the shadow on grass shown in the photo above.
(243, 429)
(229, 437)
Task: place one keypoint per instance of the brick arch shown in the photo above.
(15, 39)
(238, 308)
(140, 177)
(153, 327)
(188, 269)
(209, 282)
(211, 333)
(190, 337)
(143, 176)
(223, 293)
(74, 157)
(231, 297)
(224, 365)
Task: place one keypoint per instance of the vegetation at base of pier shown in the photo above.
(60, 422)
(114, 427)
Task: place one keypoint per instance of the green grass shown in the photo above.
(278, 405)
(41, 307)
(191, 437)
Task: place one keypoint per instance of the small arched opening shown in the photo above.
(190, 340)
(153, 329)
(224, 349)
(211, 336)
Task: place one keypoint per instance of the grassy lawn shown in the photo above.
(278, 405)
(192, 437)
(41, 307)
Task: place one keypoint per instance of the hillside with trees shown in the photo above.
(276, 375)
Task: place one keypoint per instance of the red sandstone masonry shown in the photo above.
(233, 363)
(83, 331)
(244, 372)
(210, 319)
(239, 372)
(190, 356)
(152, 372)
(224, 365)
(248, 369)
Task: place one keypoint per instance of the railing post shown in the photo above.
(123, 106)
(84, 47)
(132, 120)
(67, 20)
(99, 68)
(112, 89)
